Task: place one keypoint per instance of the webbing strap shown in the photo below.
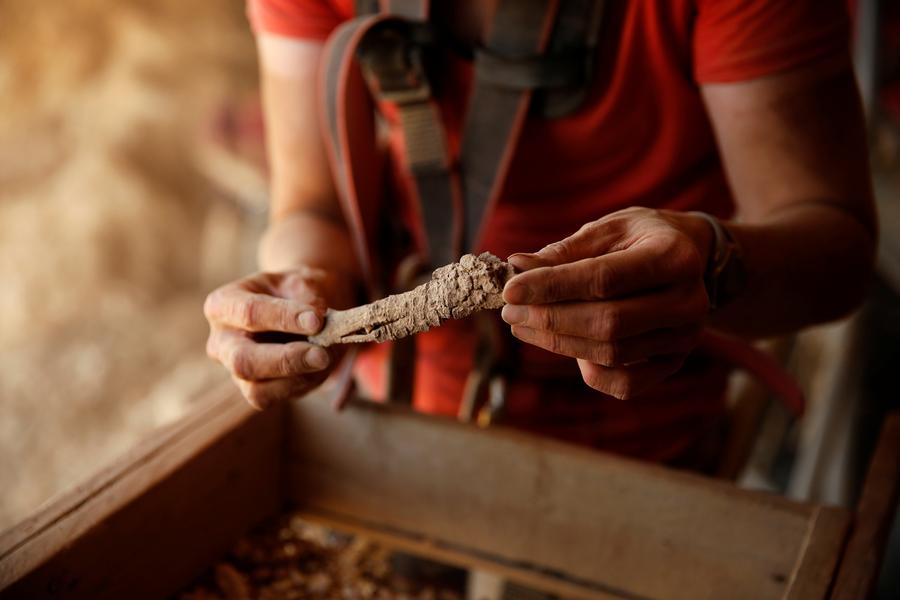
(521, 28)
(576, 34)
(415, 10)
(391, 56)
(348, 126)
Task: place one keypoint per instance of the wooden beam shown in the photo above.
(875, 512)
(153, 521)
(550, 514)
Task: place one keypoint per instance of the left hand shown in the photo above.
(624, 295)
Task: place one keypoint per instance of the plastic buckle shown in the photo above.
(393, 67)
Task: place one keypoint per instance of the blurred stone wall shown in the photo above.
(105, 217)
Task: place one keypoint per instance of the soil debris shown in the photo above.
(290, 558)
(455, 291)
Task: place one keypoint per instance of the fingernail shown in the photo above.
(309, 321)
(317, 358)
(514, 315)
(524, 261)
(517, 293)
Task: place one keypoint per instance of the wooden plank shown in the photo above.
(858, 572)
(615, 527)
(820, 554)
(149, 524)
(411, 543)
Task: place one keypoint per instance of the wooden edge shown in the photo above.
(415, 519)
(405, 541)
(642, 468)
(152, 518)
(58, 507)
(821, 552)
(858, 571)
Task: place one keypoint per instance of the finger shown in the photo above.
(652, 263)
(592, 239)
(617, 353)
(237, 308)
(262, 394)
(628, 382)
(614, 319)
(252, 361)
(304, 285)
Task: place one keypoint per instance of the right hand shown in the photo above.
(256, 328)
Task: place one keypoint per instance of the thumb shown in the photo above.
(592, 240)
(525, 261)
(573, 248)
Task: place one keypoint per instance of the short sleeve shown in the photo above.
(736, 40)
(307, 19)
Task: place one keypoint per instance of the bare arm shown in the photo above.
(306, 226)
(305, 254)
(795, 151)
(625, 294)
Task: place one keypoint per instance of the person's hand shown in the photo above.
(624, 295)
(257, 329)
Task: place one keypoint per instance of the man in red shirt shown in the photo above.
(743, 109)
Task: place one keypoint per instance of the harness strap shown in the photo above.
(348, 125)
(576, 36)
(520, 29)
(415, 10)
(391, 58)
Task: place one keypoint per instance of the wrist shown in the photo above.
(724, 275)
(697, 228)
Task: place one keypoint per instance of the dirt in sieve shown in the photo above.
(290, 558)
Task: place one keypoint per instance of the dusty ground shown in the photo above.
(109, 235)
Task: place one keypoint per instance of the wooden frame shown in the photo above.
(546, 514)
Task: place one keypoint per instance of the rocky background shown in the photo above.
(111, 231)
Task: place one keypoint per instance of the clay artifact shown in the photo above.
(455, 291)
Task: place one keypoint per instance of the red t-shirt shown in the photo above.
(642, 139)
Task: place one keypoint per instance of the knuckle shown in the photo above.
(593, 228)
(212, 346)
(683, 255)
(256, 395)
(211, 304)
(286, 366)
(558, 250)
(607, 353)
(608, 323)
(292, 363)
(555, 344)
(248, 313)
(602, 281)
(545, 319)
(242, 365)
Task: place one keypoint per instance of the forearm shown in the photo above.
(304, 238)
(805, 264)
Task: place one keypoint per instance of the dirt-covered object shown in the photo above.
(293, 559)
(455, 291)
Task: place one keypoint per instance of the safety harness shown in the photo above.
(539, 57)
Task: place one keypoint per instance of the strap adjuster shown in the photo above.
(391, 60)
